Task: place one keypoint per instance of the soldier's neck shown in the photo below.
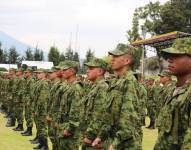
(181, 80)
(97, 79)
(72, 79)
(121, 72)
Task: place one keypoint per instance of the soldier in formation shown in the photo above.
(102, 113)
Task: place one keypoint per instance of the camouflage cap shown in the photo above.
(29, 70)
(180, 46)
(70, 64)
(40, 71)
(164, 73)
(97, 62)
(60, 65)
(12, 69)
(123, 49)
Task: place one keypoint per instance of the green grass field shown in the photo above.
(10, 140)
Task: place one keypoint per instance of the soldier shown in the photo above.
(121, 122)
(164, 88)
(72, 94)
(90, 109)
(142, 95)
(151, 104)
(53, 106)
(174, 119)
(11, 85)
(18, 90)
(41, 91)
(28, 102)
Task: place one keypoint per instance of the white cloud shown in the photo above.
(102, 23)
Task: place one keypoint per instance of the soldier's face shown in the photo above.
(41, 76)
(164, 79)
(19, 73)
(67, 73)
(119, 62)
(179, 64)
(59, 73)
(53, 76)
(27, 74)
(92, 73)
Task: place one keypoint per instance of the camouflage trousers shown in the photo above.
(68, 143)
(40, 121)
(18, 112)
(28, 116)
(52, 133)
(165, 142)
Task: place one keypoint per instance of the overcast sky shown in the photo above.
(101, 24)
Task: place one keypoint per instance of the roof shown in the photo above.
(39, 64)
(161, 41)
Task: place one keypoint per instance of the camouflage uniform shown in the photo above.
(53, 113)
(41, 95)
(18, 90)
(121, 121)
(69, 106)
(174, 119)
(28, 98)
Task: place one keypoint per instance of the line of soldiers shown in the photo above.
(102, 113)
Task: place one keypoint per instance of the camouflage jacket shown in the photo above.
(41, 91)
(92, 108)
(175, 117)
(120, 118)
(70, 106)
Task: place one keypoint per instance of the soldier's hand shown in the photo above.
(96, 143)
(87, 141)
(111, 148)
(56, 125)
(67, 133)
(49, 119)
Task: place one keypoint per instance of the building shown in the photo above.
(39, 64)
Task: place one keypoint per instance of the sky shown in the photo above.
(96, 24)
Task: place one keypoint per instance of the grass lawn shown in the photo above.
(11, 140)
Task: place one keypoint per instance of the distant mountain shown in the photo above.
(7, 42)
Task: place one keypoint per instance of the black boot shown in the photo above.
(10, 122)
(40, 145)
(28, 132)
(152, 124)
(35, 140)
(44, 144)
(19, 128)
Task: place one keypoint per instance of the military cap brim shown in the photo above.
(172, 50)
(116, 52)
(89, 64)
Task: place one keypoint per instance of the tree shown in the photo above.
(76, 57)
(5, 57)
(13, 55)
(69, 54)
(54, 55)
(29, 54)
(62, 57)
(133, 34)
(1, 53)
(89, 55)
(174, 15)
(41, 55)
(38, 54)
